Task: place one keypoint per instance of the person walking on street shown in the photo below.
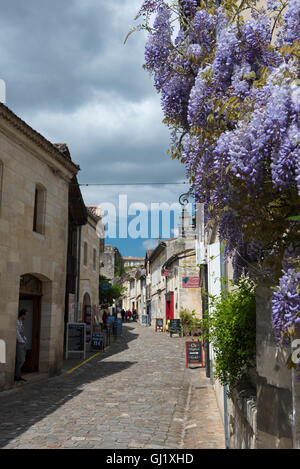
(104, 319)
(21, 345)
(123, 314)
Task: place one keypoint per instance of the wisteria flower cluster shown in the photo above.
(230, 94)
(286, 304)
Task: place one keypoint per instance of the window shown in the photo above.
(39, 209)
(94, 258)
(85, 253)
(1, 183)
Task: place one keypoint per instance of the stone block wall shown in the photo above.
(23, 251)
(274, 383)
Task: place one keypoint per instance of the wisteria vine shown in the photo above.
(229, 85)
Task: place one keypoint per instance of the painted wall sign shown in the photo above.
(194, 353)
(190, 282)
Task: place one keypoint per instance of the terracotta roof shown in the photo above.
(38, 139)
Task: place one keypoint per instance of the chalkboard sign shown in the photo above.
(159, 324)
(194, 353)
(76, 338)
(174, 327)
(98, 341)
(144, 320)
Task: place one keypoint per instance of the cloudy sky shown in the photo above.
(70, 77)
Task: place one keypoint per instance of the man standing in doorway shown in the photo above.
(21, 345)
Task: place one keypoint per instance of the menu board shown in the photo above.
(97, 341)
(194, 353)
(76, 338)
(159, 324)
(174, 326)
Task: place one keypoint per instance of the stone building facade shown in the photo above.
(88, 296)
(133, 261)
(265, 412)
(34, 186)
(107, 262)
(183, 284)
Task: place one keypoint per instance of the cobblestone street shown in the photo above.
(137, 394)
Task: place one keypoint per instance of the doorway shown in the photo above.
(30, 299)
(169, 306)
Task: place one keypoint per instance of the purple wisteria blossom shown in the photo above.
(198, 104)
(203, 29)
(291, 29)
(256, 38)
(239, 80)
(286, 304)
(159, 42)
(226, 57)
(231, 98)
(149, 7)
(189, 7)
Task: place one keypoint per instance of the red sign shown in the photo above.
(190, 282)
(164, 272)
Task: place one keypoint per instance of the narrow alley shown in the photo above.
(137, 394)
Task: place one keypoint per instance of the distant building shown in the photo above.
(111, 262)
(133, 261)
(88, 307)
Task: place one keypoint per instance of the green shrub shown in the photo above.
(231, 329)
(190, 324)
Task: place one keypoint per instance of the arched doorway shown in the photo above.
(30, 299)
(87, 315)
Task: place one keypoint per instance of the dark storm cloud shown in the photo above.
(56, 54)
(69, 75)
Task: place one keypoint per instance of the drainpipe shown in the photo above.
(205, 309)
(78, 272)
(225, 387)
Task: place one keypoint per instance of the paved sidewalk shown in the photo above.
(137, 394)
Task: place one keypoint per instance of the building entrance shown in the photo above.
(30, 299)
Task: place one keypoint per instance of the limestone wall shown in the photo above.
(274, 384)
(23, 251)
(89, 272)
